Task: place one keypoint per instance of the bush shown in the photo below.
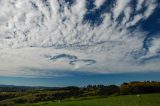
(140, 87)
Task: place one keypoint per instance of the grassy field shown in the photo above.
(130, 100)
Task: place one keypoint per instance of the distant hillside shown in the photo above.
(11, 95)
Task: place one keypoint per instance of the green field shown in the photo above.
(130, 100)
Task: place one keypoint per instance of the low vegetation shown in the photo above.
(67, 95)
(140, 87)
(129, 100)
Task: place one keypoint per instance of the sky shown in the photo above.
(81, 79)
(58, 40)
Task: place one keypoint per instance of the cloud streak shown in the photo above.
(30, 30)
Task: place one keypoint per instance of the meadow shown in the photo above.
(125, 100)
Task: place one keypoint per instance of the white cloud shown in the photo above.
(154, 48)
(30, 30)
(139, 4)
(119, 7)
(151, 5)
(98, 3)
(136, 19)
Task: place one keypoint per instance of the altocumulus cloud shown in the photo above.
(56, 37)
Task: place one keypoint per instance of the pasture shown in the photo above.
(128, 100)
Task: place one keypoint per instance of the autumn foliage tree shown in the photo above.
(140, 87)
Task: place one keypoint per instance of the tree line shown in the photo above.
(137, 87)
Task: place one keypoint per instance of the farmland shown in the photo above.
(128, 94)
(129, 100)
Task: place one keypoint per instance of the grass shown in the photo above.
(129, 100)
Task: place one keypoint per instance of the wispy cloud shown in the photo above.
(30, 30)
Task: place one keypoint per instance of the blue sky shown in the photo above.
(60, 39)
(81, 79)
